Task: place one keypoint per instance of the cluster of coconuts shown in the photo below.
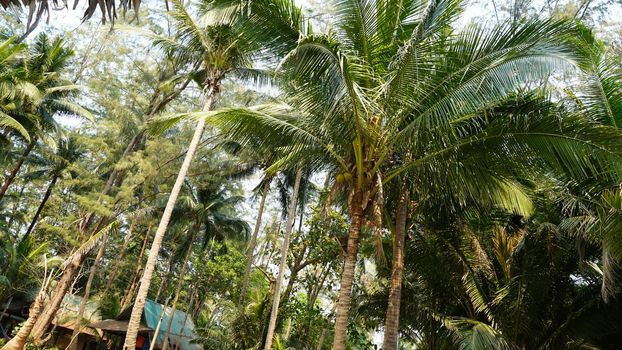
(343, 177)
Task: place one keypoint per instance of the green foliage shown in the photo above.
(505, 136)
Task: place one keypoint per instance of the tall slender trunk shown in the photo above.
(164, 283)
(128, 295)
(6, 307)
(180, 283)
(320, 343)
(392, 321)
(157, 329)
(139, 305)
(115, 270)
(53, 304)
(183, 324)
(9, 180)
(251, 246)
(73, 344)
(347, 276)
(284, 250)
(47, 195)
(72, 267)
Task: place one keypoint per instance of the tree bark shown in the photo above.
(116, 267)
(87, 292)
(251, 246)
(47, 195)
(164, 282)
(320, 343)
(9, 180)
(347, 276)
(284, 250)
(137, 310)
(180, 284)
(64, 284)
(392, 321)
(157, 329)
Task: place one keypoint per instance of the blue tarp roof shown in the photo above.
(182, 328)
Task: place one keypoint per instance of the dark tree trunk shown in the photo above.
(47, 195)
(347, 276)
(397, 271)
(9, 180)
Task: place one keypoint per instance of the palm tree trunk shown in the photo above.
(397, 270)
(180, 283)
(347, 276)
(251, 246)
(291, 213)
(157, 329)
(58, 294)
(9, 180)
(320, 343)
(164, 281)
(116, 266)
(139, 305)
(19, 340)
(47, 195)
(87, 292)
(128, 295)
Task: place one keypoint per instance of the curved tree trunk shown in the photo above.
(87, 292)
(58, 294)
(251, 246)
(392, 321)
(9, 180)
(284, 249)
(157, 329)
(347, 276)
(139, 305)
(180, 284)
(47, 195)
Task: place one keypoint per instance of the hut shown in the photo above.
(180, 338)
(67, 319)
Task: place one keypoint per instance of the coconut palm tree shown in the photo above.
(11, 55)
(59, 166)
(211, 210)
(393, 84)
(215, 52)
(47, 94)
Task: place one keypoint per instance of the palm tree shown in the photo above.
(210, 210)
(47, 94)
(59, 166)
(217, 52)
(276, 298)
(394, 85)
(12, 89)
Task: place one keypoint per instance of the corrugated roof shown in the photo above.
(182, 327)
(117, 327)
